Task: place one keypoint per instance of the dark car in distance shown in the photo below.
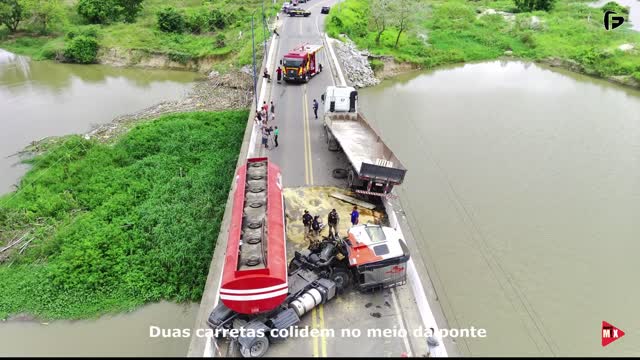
(325, 10)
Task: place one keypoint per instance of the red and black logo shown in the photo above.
(610, 333)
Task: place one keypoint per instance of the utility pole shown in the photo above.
(265, 31)
(255, 78)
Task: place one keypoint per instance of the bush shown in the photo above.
(376, 65)
(99, 11)
(197, 22)
(218, 20)
(82, 49)
(170, 20)
(130, 9)
(533, 5)
(220, 40)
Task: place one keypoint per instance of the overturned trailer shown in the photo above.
(261, 294)
(374, 170)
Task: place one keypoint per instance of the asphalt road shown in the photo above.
(305, 160)
(302, 152)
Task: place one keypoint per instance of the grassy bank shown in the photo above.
(230, 46)
(118, 225)
(452, 32)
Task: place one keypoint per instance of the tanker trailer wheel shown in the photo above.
(340, 173)
(342, 278)
(258, 348)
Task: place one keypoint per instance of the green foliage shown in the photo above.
(533, 5)
(130, 9)
(99, 11)
(615, 7)
(126, 224)
(11, 13)
(81, 49)
(197, 21)
(218, 20)
(376, 65)
(45, 13)
(220, 41)
(171, 20)
(88, 31)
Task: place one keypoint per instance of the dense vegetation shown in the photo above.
(453, 31)
(184, 29)
(115, 226)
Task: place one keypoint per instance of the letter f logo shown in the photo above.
(611, 22)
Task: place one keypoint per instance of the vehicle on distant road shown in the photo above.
(285, 7)
(299, 12)
(301, 63)
(325, 10)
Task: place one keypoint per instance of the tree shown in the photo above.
(99, 11)
(130, 9)
(379, 15)
(533, 5)
(45, 12)
(11, 13)
(404, 13)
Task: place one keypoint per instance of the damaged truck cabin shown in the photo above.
(301, 63)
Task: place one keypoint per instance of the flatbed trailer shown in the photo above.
(374, 167)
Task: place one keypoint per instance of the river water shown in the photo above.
(523, 188)
(40, 99)
(119, 335)
(43, 98)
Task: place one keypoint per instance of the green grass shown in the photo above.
(450, 32)
(123, 224)
(144, 34)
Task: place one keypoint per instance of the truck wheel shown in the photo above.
(306, 78)
(342, 278)
(350, 178)
(258, 348)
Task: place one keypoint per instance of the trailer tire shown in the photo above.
(342, 278)
(258, 348)
(350, 178)
(340, 173)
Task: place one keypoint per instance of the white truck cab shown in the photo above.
(340, 99)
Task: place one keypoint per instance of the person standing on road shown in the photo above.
(276, 132)
(265, 107)
(279, 73)
(333, 220)
(355, 216)
(306, 221)
(315, 226)
(315, 107)
(273, 108)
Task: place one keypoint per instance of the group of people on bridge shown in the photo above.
(313, 225)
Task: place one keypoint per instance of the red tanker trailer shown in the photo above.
(254, 278)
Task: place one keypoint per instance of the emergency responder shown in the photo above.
(316, 227)
(333, 220)
(306, 221)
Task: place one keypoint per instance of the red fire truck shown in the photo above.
(301, 63)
